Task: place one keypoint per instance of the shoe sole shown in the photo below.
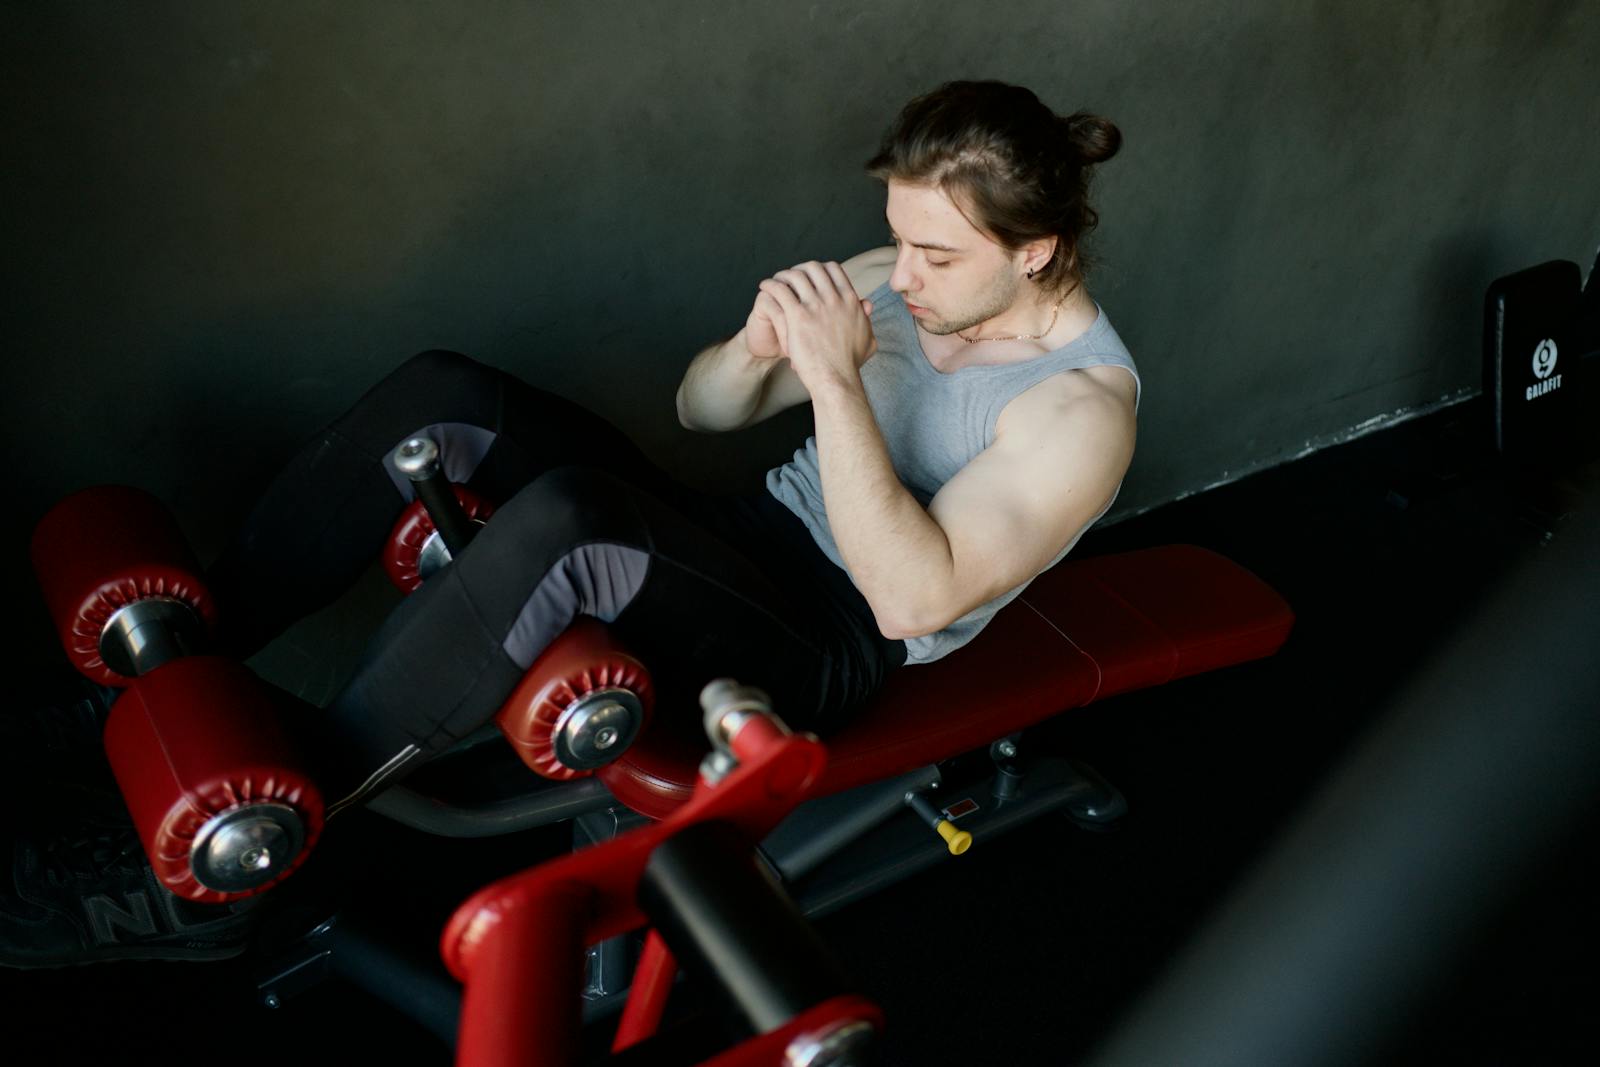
(153, 954)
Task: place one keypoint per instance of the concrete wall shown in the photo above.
(225, 220)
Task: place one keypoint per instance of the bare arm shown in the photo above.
(746, 378)
(1059, 452)
(728, 388)
(993, 526)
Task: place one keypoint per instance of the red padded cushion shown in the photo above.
(402, 553)
(196, 737)
(1084, 630)
(657, 774)
(583, 660)
(101, 549)
(1160, 614)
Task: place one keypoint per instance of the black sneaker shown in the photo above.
(91, 896)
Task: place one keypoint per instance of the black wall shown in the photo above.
(225, 220)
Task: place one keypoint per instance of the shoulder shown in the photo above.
(870, 269)
(1093, 406)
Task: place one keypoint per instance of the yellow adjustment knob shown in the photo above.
(958, 840)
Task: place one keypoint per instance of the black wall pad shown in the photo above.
(1531, 361)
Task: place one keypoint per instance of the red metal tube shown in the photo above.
(521, 1005)
(647, 997)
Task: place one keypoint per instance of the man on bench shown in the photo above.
(974, 413)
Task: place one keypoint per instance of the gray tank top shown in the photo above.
(934, 424)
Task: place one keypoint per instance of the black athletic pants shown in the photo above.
(699, 587)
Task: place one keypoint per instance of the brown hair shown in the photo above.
(1018, 170)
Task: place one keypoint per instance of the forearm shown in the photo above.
(722, 387)
(897, 554)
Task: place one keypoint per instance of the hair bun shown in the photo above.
(1096, 139)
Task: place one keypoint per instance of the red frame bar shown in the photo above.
(647, 996)
(518, 944)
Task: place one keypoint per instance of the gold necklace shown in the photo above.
(1055, 311)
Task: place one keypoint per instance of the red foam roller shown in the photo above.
(402, 553)
(195, 738)
(102, 549)
(584, 659)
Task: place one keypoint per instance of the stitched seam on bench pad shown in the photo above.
(1099, 673)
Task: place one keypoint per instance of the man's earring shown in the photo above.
(1030, 274)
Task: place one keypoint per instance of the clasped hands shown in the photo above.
(811, 314)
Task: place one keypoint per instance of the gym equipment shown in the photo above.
(1088, 629)
(518, 944)
(437, 524)
(224, 806)
(1531, 361)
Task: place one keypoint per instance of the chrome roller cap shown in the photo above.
(417, 458)
(247, 847)
(597, 728)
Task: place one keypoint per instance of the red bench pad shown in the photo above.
(1085, 630)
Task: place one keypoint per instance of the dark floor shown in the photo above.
(1383, 546)
(1031, 947)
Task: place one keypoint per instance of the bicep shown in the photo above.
(1015, 506)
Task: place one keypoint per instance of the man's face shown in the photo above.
(951, 274)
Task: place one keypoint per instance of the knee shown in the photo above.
(415, 386)
(436, 386)
(434, 366)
